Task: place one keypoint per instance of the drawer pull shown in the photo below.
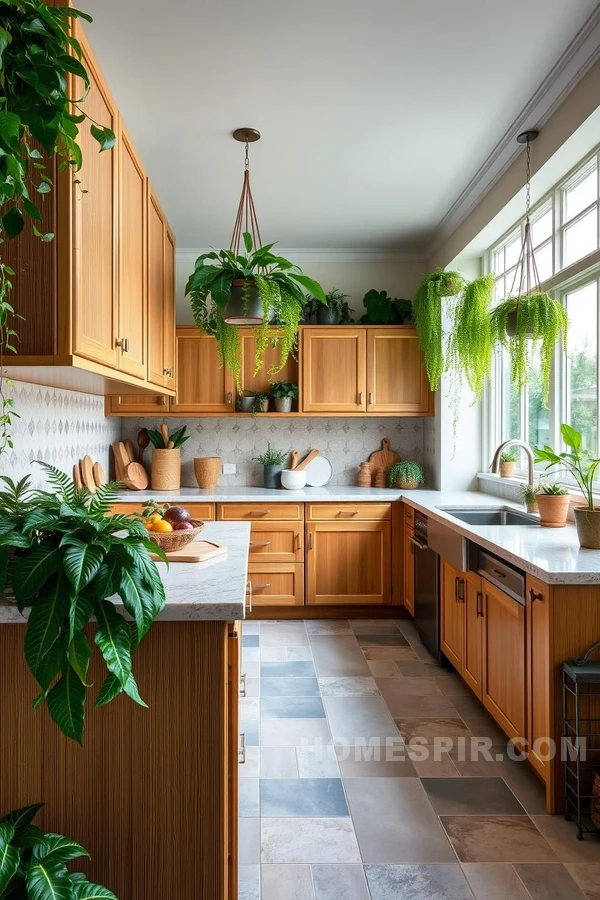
(408, 515)
(479, 605)
(242, 749)
(370, 398)
(348, 512)
(499, 573)
(535, 595)
(243, 685)
(249, 594)
(310, 540)
(229, 398)
(262, 587)
(260, 543)
(259, 512)
(299, 541)
(361, 399)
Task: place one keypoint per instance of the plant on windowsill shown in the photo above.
(283, 394)
(553, 502)
(406, 475)
(272, 461)
(579, 463)
(427, 313)
(529, 496)
(384, 310)
(33, 864)
(253, 402)
(62, 557)
(508, 462)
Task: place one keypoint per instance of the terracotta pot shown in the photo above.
(239, 312)
(166, 470)
(588, 530)
(554, 510)
(507, 469)
(207, 470)
(532, 506)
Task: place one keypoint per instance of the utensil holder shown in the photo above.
(166, 470)
(207, 470)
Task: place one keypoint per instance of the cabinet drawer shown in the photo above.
(276, 542)
(203, 512)
(260, 512)
(408, 514)
(276, 584)
(348, 512)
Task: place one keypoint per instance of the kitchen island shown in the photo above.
(152, 794)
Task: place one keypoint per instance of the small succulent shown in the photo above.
(510, 455)
(553, 490)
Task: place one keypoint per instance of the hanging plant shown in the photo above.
(470, 346)
(427, 313)
(38, 55)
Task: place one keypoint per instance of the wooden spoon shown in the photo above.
(143, 439)
(308, 458)
(164, 430)
(294, 461)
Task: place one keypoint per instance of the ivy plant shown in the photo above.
(65, 558)
(39, 120)
(427, 314)
(33, 865)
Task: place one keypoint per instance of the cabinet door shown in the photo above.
(334, 370)
(156, 294)
(203, 384)
(539, 726)
(95, 256)
(396, 377)
(276, 584)
(409, 569)
(233, 757)
(276, 542)
(260, 382)
(471, 669)
(504, 684)
(133, 308)
(452, 614)
(136, 405)
(348, 562)
(169, 310)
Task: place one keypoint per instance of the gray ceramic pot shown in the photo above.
(327, 316)
(272, 478)
(283, 404)
(246, 404)
(588, 527)
(240, 313)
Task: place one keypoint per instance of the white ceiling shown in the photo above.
(374, 115)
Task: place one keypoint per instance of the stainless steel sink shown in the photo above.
(490, 515)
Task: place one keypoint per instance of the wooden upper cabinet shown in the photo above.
(261, 380)
(334, 370)
(396, 377)
(203, 384)
(169, 311)
(161, 297)
(133, 307)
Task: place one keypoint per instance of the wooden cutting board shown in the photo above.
(86, 467)
(196, 551)
(121, 460)
(383, 460)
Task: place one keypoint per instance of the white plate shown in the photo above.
(319, 472)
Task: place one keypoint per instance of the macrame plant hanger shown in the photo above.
(526, 272)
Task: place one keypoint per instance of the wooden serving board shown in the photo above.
(196, 551)
(383, 460)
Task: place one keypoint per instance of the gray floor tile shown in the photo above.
(340, 882)
(250, 727)
(251, 767)
(587, 876)
(527, 788)
(381, 640)
(250, 640)
(249, 797)
(292, 708)
(252, 687)
(278, 762)
(273, 654)
(252, 669)
(445, 882)
(398, 688)
(550, 882)
(298, 654)
(469, 706)
(293, 732)
(290, 635)
(483, 726)
(480, 839)
(494, 881)
(417, 668)
(317, 762)
(328, 626)
(249, 708)
(249, 841)
(391, 762)
(289, 687)
(249, 882)
(471, 797)
(287, 670)
(287, 882)
(338, 654)
(452, 685)
(308, 841)
(250, 654)
(356, 719)
(562, 837)
(348, 687)
(383, 668)
(435, 765)
(250, 627)
(374, 626)
(302, 797)
(394, 823)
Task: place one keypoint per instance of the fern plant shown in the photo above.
(520, 323)
(470, 347)
(427, 314)
(65, 558)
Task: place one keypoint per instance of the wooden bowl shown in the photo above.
(175, 540)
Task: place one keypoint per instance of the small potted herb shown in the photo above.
(272, 461)
(283, 393)
(253, 402)
(529, 495)
(384, 310)
(406, 475)
(553, 503)
(508, 462)
(336, 311)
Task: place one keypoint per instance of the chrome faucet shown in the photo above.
(515, 443)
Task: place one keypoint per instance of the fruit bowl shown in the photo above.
(175, 540)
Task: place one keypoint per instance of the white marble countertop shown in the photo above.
(242, 494)
(211, 590)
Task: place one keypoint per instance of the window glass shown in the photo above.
(541, 228)
(581, 194)
(582, 363)
(499, 290)
(581, 238)
(543, 261)
(538, 417)
(512, 251)
(511, 402)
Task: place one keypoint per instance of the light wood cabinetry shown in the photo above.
(539, 727)
(137, 405)
(452, 620)
(260, 382)
(334, 377)
(161, 297)
(409, 568)
(132, 254)
(232, 719)
(396, 377)
(472, 668)
(203, 512)
(203, 384)
(276, 584)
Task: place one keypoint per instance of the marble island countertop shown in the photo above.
(211, 590)
(336, 493)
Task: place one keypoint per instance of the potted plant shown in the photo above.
(227, 290)
(529, 495)
(166, 457)
(427, 313)
(553, 502)
(583, 467)
(406, 475)
(273, 461)
(65, 558)
(253, 402)
(283, 393)
(335, 311)
(508, 462)
(33, 864)
(384, 310)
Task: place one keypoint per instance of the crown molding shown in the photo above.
(580, 55)
(306, 255)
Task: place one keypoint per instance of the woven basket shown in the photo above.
(207, 470)
(166, 470)
(175, 540)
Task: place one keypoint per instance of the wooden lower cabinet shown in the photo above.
(539, 728)
(234, 656)
(276, 584)
(348, 563)
(203, 512)
(452, 628)
(276, 542)
(472, 662)
(408, 575)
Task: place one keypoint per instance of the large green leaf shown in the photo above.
(85, 890)
(310, 284)
(48, 881)
(9, 855)
(112, 687)
(22, 818)
(58, 848)
(137, 599)
(114, 640)
(81, 562)
(65, 704)
(13, 222)
(571, 437)
(32, 571)
(44, 626)
(79, 656)
(80, 612)
(220, 290)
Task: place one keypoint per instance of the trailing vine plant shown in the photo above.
(427, 313)
(470, 346)
(39, 120)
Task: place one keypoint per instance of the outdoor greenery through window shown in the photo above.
(565, 230)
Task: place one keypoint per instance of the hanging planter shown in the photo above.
(248, 285)
(427, 313)
(470, 348)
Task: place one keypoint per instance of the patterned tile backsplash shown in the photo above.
(345, 442)
(58, 427)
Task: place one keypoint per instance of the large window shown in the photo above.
(566, 237)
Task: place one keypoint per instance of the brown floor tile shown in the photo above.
(587, 876)
(469, 706)
(453, 686)
(374, 626)
(562, 837)
(442, 767)
(494, 881)
(484, 727)
(443, 727)
(471, 797)
(497, 839)
(418, 668)
(393, 689)
(522, 781)
(381, 640)
(389, 653)
(383, 668)
(428, 706)
(549, 882)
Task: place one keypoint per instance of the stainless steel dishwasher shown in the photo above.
(427, 587)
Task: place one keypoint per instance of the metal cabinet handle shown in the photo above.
(243, 684)
(262, 587)
(535, 595)
(259, 512)
(229, 398)
(370, 398)
(348, 512)
(260, 543)
(499, 573)
(242, 749)
(456, 588)
(299, 541)
(162, 401)
(310, 540)
(123, 343)
(249, 593)
(361, 399)
(407, 516)
(479, 605)
(461, 590)
(168, 372)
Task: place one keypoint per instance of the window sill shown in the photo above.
(514, 484)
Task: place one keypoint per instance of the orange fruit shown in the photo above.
(162, 526)
(155, 517)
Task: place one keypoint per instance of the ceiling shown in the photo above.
(374, 115)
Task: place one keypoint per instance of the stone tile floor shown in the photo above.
(361, 781)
